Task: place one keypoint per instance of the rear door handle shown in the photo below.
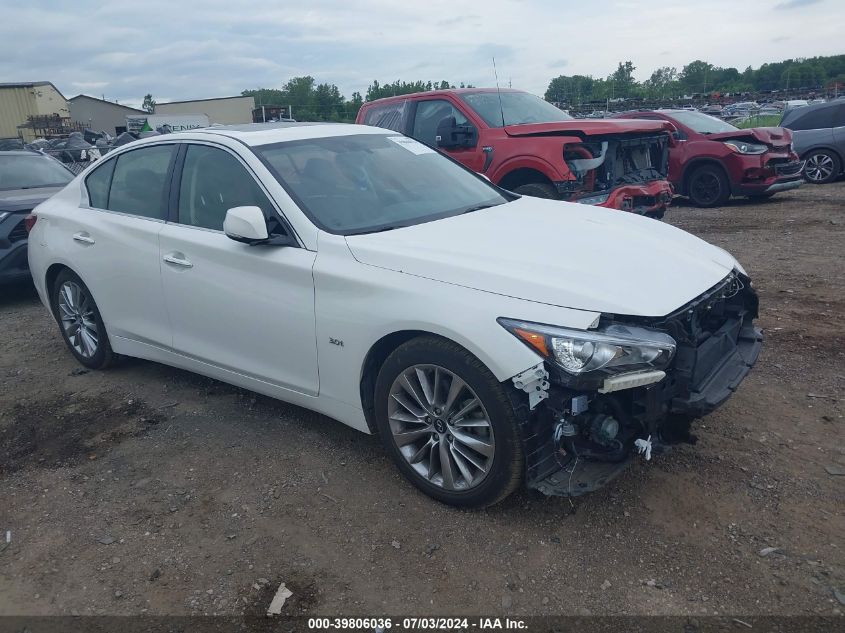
(177, 259)
(83, 237)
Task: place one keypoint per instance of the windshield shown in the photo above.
(702, 123)
(372, 182)
(21, 171)
(518, 108)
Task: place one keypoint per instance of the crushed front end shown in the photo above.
(581, 429)
(625, 172)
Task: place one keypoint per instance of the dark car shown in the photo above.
(26, 180)
(712, 160)
(818, 135)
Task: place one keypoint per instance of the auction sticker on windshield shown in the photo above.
(411, 145)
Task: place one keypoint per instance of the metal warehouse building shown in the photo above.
(18, 101)
(223, 110)
(99, 114)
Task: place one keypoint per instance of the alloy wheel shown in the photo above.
(441, 427)
(706, 188)
(819, 167)
(76, 311)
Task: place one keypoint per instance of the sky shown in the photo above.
(184, 49)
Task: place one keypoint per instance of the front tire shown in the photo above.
(80, 322)
(708, 187)
(538, 190)
(822, 167)
(447, 423)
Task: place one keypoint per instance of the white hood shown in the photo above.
(558, 253)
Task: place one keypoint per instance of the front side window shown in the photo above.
(428, 117)
(214, 181)
(31, 171)
(139, 182)
(513, 108)
(370, 182)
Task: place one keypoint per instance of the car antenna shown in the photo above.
(499, 92)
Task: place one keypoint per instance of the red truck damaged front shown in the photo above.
(528, 146)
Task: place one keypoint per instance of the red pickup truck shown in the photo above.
(530, 147)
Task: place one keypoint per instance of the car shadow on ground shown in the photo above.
(18, 294)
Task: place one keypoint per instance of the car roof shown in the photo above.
(437, 93)
(254, 134)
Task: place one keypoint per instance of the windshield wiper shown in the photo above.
(381, 229)
(478, 208)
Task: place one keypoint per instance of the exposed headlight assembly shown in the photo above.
(598, 353)
(599, 199)
(741, 147)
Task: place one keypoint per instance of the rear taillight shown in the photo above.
(29, 222)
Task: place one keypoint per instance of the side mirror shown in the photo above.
(246, 224)
(450, 134)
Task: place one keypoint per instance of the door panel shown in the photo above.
(114, 246)
(117, 256)
(249, 309)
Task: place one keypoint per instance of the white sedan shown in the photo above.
(489, 339)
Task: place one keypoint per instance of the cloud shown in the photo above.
(215, 48)
(795, 4)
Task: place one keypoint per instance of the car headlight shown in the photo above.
(741, 147)
(613, 349)
(4, 215)
(600, 199)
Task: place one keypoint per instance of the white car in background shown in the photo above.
(489, 339)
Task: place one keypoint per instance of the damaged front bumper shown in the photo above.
(577, 441)
(650, 198)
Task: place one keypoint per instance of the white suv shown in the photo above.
(489, 339)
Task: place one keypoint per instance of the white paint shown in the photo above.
(262, 317)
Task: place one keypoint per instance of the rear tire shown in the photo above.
(422, 425)
(80, 323)
(707, 186)
(538, 190)
(822, 167)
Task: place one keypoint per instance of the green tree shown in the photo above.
(623, 79)
(662, 82)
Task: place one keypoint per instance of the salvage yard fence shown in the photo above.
(76, 159)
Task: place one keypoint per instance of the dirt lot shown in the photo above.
(148, 489)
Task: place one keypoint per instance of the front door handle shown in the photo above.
(177, 259)
(83, 237)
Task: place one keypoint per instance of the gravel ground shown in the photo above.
(145, 489)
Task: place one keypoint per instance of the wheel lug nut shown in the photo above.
(436, 410)
(449, 437)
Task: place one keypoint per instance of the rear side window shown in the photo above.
(213, 181)
(391, 116)
(139, 182)
(98, 182)
(805, 118)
